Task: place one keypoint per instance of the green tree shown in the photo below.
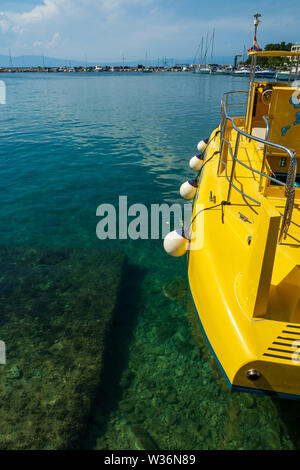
(267, 62)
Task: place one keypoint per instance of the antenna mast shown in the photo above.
(255, 46)
(256, 23)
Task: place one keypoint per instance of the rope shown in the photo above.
(199, 173)
(209, 141)
(206, 208)
(223, 203)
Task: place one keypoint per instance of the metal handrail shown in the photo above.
(265, 118)
(291, 175)
(230, 182)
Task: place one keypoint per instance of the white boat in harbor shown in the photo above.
(147, 69)
(203, 69)
(293, 73)
(265, 73)
(224, 71)
(286, 75)
(242, 72)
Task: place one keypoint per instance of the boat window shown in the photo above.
(282, 177)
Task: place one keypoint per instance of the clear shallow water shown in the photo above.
(70, 142)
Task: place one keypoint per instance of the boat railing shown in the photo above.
(289, 184)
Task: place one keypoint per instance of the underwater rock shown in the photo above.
(195, 325)
(126, 406)
(58, 350)
(14, 373)
(176, 289)
(141, 439)
(198, 336)
(101, 443)
(247, 400)
(126, 379)
(171, 398)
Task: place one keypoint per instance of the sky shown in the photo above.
(108, 30)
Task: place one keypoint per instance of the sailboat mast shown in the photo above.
(206, 49)
(202, 44)
(10, 58)
(212, 46)
(196, 57)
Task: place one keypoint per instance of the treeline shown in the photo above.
(273, 61)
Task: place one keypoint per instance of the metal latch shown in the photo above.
(244, 218)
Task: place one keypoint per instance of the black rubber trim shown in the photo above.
(281, 357)
(291, 332)
(281, 350)
(288, 339)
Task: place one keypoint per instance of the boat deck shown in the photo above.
(247, 181)
(244, 257)
(223, 255)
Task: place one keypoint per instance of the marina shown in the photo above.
(236, 71)
(239, 68)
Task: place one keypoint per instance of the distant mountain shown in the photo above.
(40, 61)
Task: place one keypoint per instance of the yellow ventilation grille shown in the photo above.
(287, 345)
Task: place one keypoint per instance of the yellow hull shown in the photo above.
(245, 287)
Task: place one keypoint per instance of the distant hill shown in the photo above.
(39, 61)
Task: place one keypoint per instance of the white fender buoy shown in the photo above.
(202, 145)
(196, 162)
(188, 189)
(176, 243)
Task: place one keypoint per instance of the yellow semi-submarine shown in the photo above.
(243, 243)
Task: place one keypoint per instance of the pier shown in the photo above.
(118, 68)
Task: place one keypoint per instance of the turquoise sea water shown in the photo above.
(70, 142)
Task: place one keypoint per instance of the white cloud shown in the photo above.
(55, 40)
(50, 44)
(46, 11)
(4, 25)
(104, 29)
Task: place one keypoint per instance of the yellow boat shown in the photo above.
(244, 247)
